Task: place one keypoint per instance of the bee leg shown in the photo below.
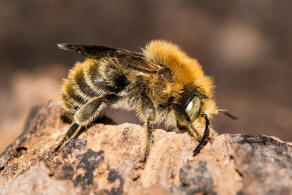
(148, 129)
(72, 132)
(184, 122)
(184, 125)
(85, 115)
(89, 111)
(148, 111)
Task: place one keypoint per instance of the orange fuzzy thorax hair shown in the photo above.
(187, 70)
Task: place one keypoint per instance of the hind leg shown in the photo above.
(89, 111)
(85, 115)
(71, 133)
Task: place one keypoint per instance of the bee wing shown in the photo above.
(129, 59)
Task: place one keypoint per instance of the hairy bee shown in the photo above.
(160, 83)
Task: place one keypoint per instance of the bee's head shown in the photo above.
(188, 75)
(197, 103)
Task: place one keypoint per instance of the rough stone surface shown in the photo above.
(106, 159)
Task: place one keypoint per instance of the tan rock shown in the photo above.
(106, 159)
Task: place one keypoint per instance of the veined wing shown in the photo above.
(129, 59)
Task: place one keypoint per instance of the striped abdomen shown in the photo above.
(91, 79)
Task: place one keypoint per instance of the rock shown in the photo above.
(106, 159)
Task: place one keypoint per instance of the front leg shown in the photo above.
(184, 122)
(204, 138)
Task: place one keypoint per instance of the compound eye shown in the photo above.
(193, 108)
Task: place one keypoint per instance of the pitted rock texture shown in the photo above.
(107, 159)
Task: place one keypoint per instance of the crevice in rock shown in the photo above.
(20, 151)
(136, 178)
(231, 158)
(239, 173)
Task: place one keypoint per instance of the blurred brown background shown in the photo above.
(245, 45)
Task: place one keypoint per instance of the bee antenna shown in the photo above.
(226, 113)
(205, 136)
(64, 46)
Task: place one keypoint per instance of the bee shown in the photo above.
(161, 83)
